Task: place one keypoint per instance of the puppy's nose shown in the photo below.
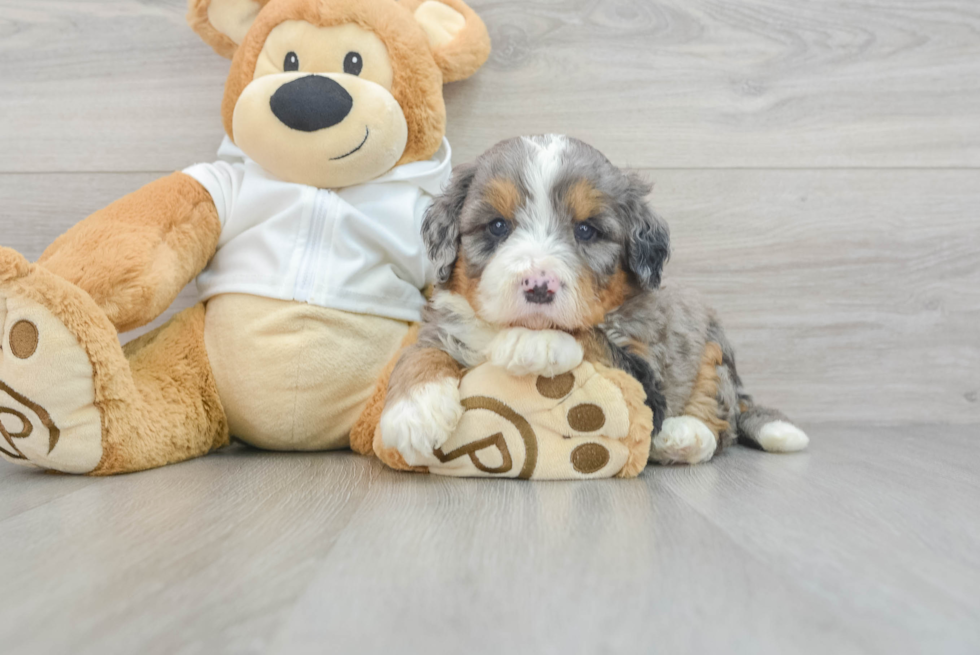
(311, 103)
(540, 288)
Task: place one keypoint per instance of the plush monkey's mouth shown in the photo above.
(367, 132)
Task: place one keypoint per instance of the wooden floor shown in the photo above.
(819, 164)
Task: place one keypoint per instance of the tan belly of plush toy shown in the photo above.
(294, 376)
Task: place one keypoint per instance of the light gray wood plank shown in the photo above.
(895, 543)
(200, 557)
(24, 488)
(850, 295)
(551, 568)
(811, 553)
(868, 542)
(120, 85)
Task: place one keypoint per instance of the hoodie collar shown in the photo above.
(429, 175)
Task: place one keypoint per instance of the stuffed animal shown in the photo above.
(591, 422)
(304, 238)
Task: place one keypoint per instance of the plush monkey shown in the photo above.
(304, 238)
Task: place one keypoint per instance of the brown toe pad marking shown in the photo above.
(586, 417)
(23, 339)
(589, 458)
(557, 387)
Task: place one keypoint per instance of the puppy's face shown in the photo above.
(543, 232)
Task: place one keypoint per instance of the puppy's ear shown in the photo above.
(440, 229)
(648, 241)
(458, 38)
(223, 24)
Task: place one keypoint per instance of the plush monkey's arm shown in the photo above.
(134, 256)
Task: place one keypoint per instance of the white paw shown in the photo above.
(683, 439)
(535, 352)
(423, 421)
(782, 437)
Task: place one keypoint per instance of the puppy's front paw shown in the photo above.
(535, 352)
(423, 421)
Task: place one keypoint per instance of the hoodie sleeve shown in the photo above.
(421, 206)
(223, 180)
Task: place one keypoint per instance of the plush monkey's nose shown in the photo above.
(311, 103)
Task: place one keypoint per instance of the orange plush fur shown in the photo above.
(123, 266)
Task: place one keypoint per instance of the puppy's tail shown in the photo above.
(756, 426)
(767, 428)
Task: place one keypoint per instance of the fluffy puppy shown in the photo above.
(545, 253)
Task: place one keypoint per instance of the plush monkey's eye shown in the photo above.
(291, 62)
(353, 63)
(499, 228)
(585, 232)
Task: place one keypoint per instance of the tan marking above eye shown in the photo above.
(504, 196)
(23, 339)
(323, 50)
(584, 200)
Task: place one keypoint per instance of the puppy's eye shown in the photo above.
(585, 232)
(291, 62)
(353, 63)
(499, 228)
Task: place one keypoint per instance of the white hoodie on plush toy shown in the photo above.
(357, 249)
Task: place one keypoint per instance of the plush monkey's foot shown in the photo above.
(48, 415)
(683, 440)
(590, 422)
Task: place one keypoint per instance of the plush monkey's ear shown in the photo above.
(440, 229)
(223, 24)
(458, 38)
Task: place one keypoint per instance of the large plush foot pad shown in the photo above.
(589, 423)
(48, 416)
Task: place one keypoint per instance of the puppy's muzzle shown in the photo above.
(311, 103)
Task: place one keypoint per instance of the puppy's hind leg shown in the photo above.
(755, 425)
(683, 440)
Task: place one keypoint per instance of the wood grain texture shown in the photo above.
(204, 557)
(865, 543)
(125, 86)
(849, 295)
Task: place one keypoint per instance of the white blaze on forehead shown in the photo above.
(543, 166)
(537, 225)
(535, 246)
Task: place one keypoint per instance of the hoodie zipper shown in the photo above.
(311, 254)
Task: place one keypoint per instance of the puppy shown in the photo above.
(545, 253)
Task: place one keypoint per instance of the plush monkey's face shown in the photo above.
(336, 93)
(319, 107)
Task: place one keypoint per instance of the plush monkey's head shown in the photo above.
(333, 93)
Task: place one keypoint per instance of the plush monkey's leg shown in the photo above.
(134, 256)
(72, 400)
